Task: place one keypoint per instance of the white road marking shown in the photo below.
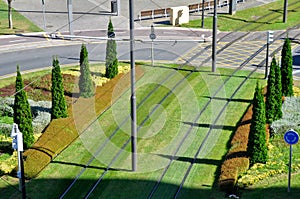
(18, 40)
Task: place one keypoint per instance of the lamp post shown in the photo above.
(285, 11)
(70, 17)
(133, 97)
(202, 16)
(214, 40)
(17, 144)
(44, 17)
(269, 40)
(152, 37)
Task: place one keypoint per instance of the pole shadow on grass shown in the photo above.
(224, 127)
(192, 69)
(228, 99)
(88, 166)
(238, 76)
(191, 159)
(61, 12)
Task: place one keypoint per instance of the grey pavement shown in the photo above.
(94, 14)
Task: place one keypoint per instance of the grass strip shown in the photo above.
(20, 23)
(251, 18)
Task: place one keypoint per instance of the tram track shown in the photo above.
(153, 110)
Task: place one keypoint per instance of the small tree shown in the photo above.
(86, 85)
(10, 21)
(257, 143)
(111, 63)
(287, 69)
(59, 105)
(274, 94)
(22, 112)
(278, 92)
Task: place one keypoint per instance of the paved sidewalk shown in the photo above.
(94, 14)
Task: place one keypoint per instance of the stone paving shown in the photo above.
(94, 14)
(238, 52)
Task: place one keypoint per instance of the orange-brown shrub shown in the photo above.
(62, 132)
(236, 161)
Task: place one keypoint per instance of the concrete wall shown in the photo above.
(179, 15)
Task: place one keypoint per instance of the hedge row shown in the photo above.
(236, 160)
(62, 132)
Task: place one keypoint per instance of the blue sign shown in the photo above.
(291, 137)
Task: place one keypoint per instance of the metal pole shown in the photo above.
(44, 17)
(214, 44)
(290, 170)
(133, 97)
(202, 19)
(22, 177)
(70, 17)
(285, 11)
(118, 7)
(267, 61)
(232, 7)
(152, 53)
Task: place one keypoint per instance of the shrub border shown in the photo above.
(60, 133)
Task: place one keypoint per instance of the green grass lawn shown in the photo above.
(251, 17)
(157, 140)
(20, 23)
(275, 187)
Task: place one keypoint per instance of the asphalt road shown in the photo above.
(296, 61)
(37, 53)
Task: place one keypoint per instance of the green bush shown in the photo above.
(291, 116)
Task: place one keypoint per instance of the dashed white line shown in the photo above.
(18, 40)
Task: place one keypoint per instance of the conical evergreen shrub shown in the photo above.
(111, 60)
(257, 143)
(86, 85)
(59, 105)
(287, 69)
(22, 112)
(274, 94)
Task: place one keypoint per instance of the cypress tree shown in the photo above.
(278, 93)
(271, 97)
(22, 112)
(257, 143)
(59, 105)
(111, 61)
(86, 85)
(287, 69)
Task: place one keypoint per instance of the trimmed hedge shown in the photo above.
(62, 132)
(237, 160)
